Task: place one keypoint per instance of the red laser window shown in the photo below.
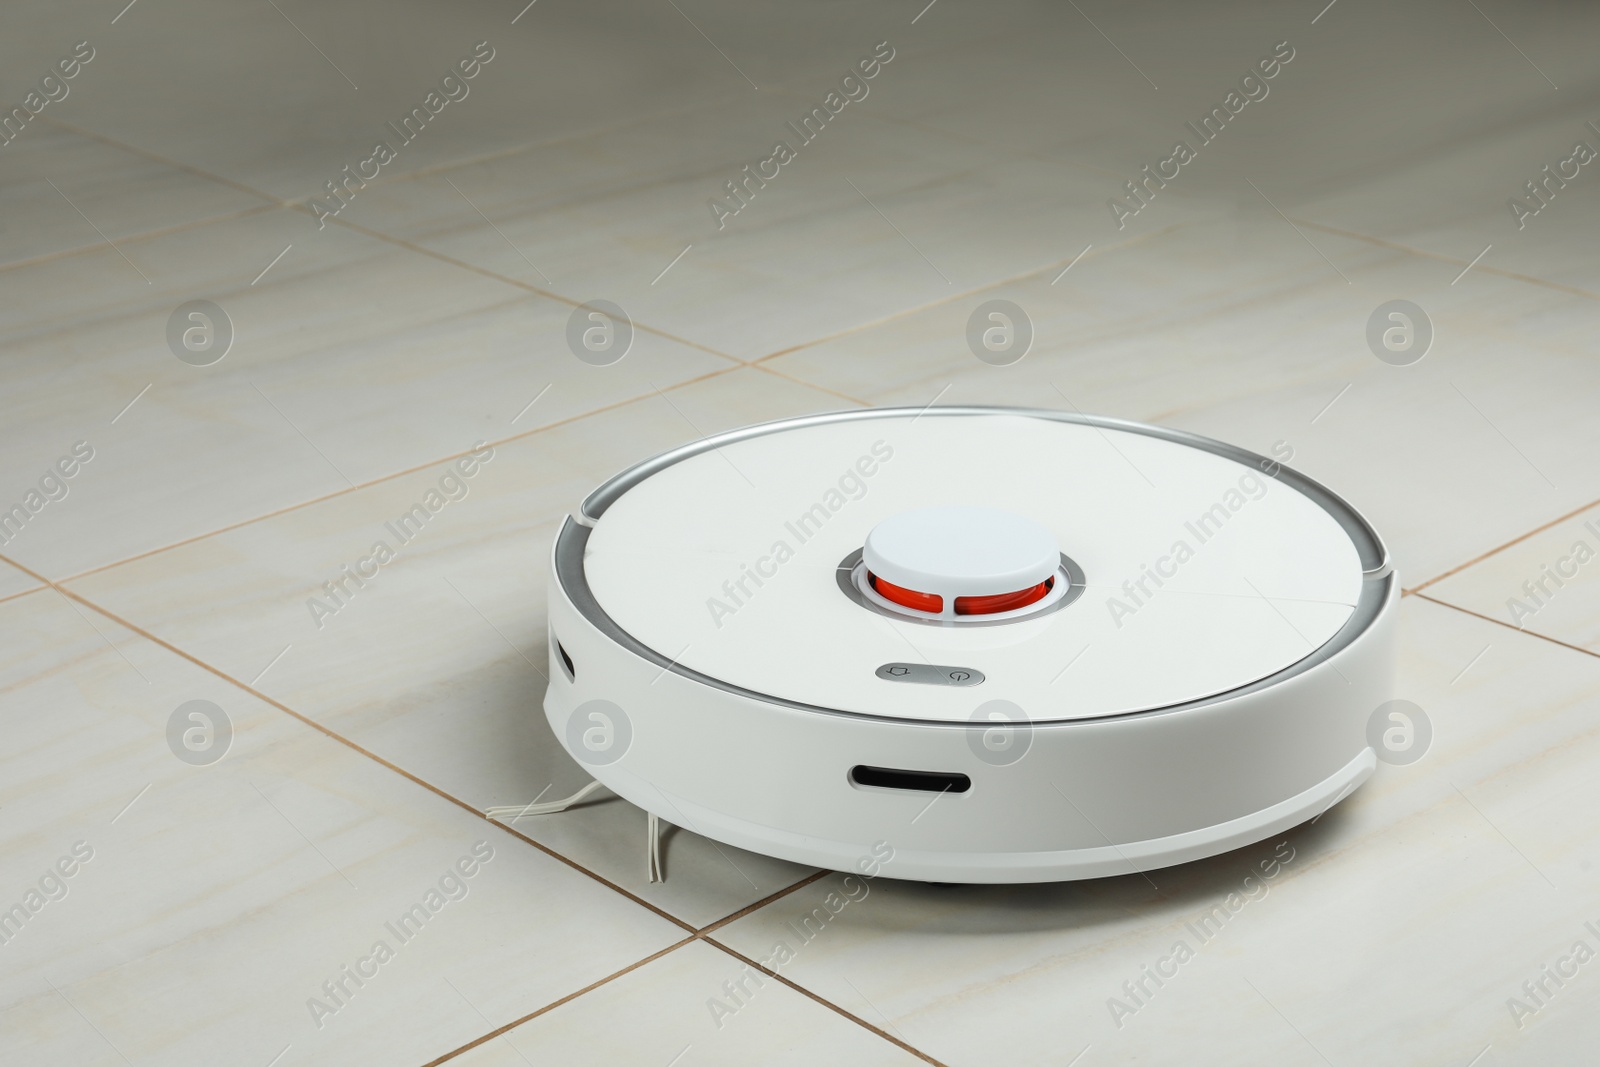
(992, 605)
(932, 603)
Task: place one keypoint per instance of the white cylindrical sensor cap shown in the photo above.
(961, 551)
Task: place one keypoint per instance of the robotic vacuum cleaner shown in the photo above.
(1010, 645)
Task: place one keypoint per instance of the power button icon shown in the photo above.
(960, 676)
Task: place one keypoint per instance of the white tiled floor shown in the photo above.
(432, 314)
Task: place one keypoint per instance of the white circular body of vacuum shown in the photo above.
(1014, 645)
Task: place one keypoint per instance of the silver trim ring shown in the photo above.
(1379, 577)
(1369, 546)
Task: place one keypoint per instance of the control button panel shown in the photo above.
(929, 674)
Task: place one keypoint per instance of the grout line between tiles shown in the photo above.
(1440, 257)
(341, 739)
(548, 294)
(875, 111)
(699, 935)
(802, 990)
(1217, 312)
(521, 149)
(809, 385)
(1514, 541)
(347, 490)
(1502, 623)
(763, 902)
(966, 294)
(695, 934)
(978, 142)
(163, 160)
(513, 1024)
(299, 206)
(25, 592)
(243, 213)
(704, 933)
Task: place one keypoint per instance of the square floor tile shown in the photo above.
(100, 193)
(678, 1006)
(1256, 340)
(438, 663)
(350, 359)
(307, 89)
(1392, 930)
(1544, 584)
(14, 582)
(872, 218)
(148, 877)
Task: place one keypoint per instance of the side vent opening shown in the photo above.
(566, 663)
(921, 781)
